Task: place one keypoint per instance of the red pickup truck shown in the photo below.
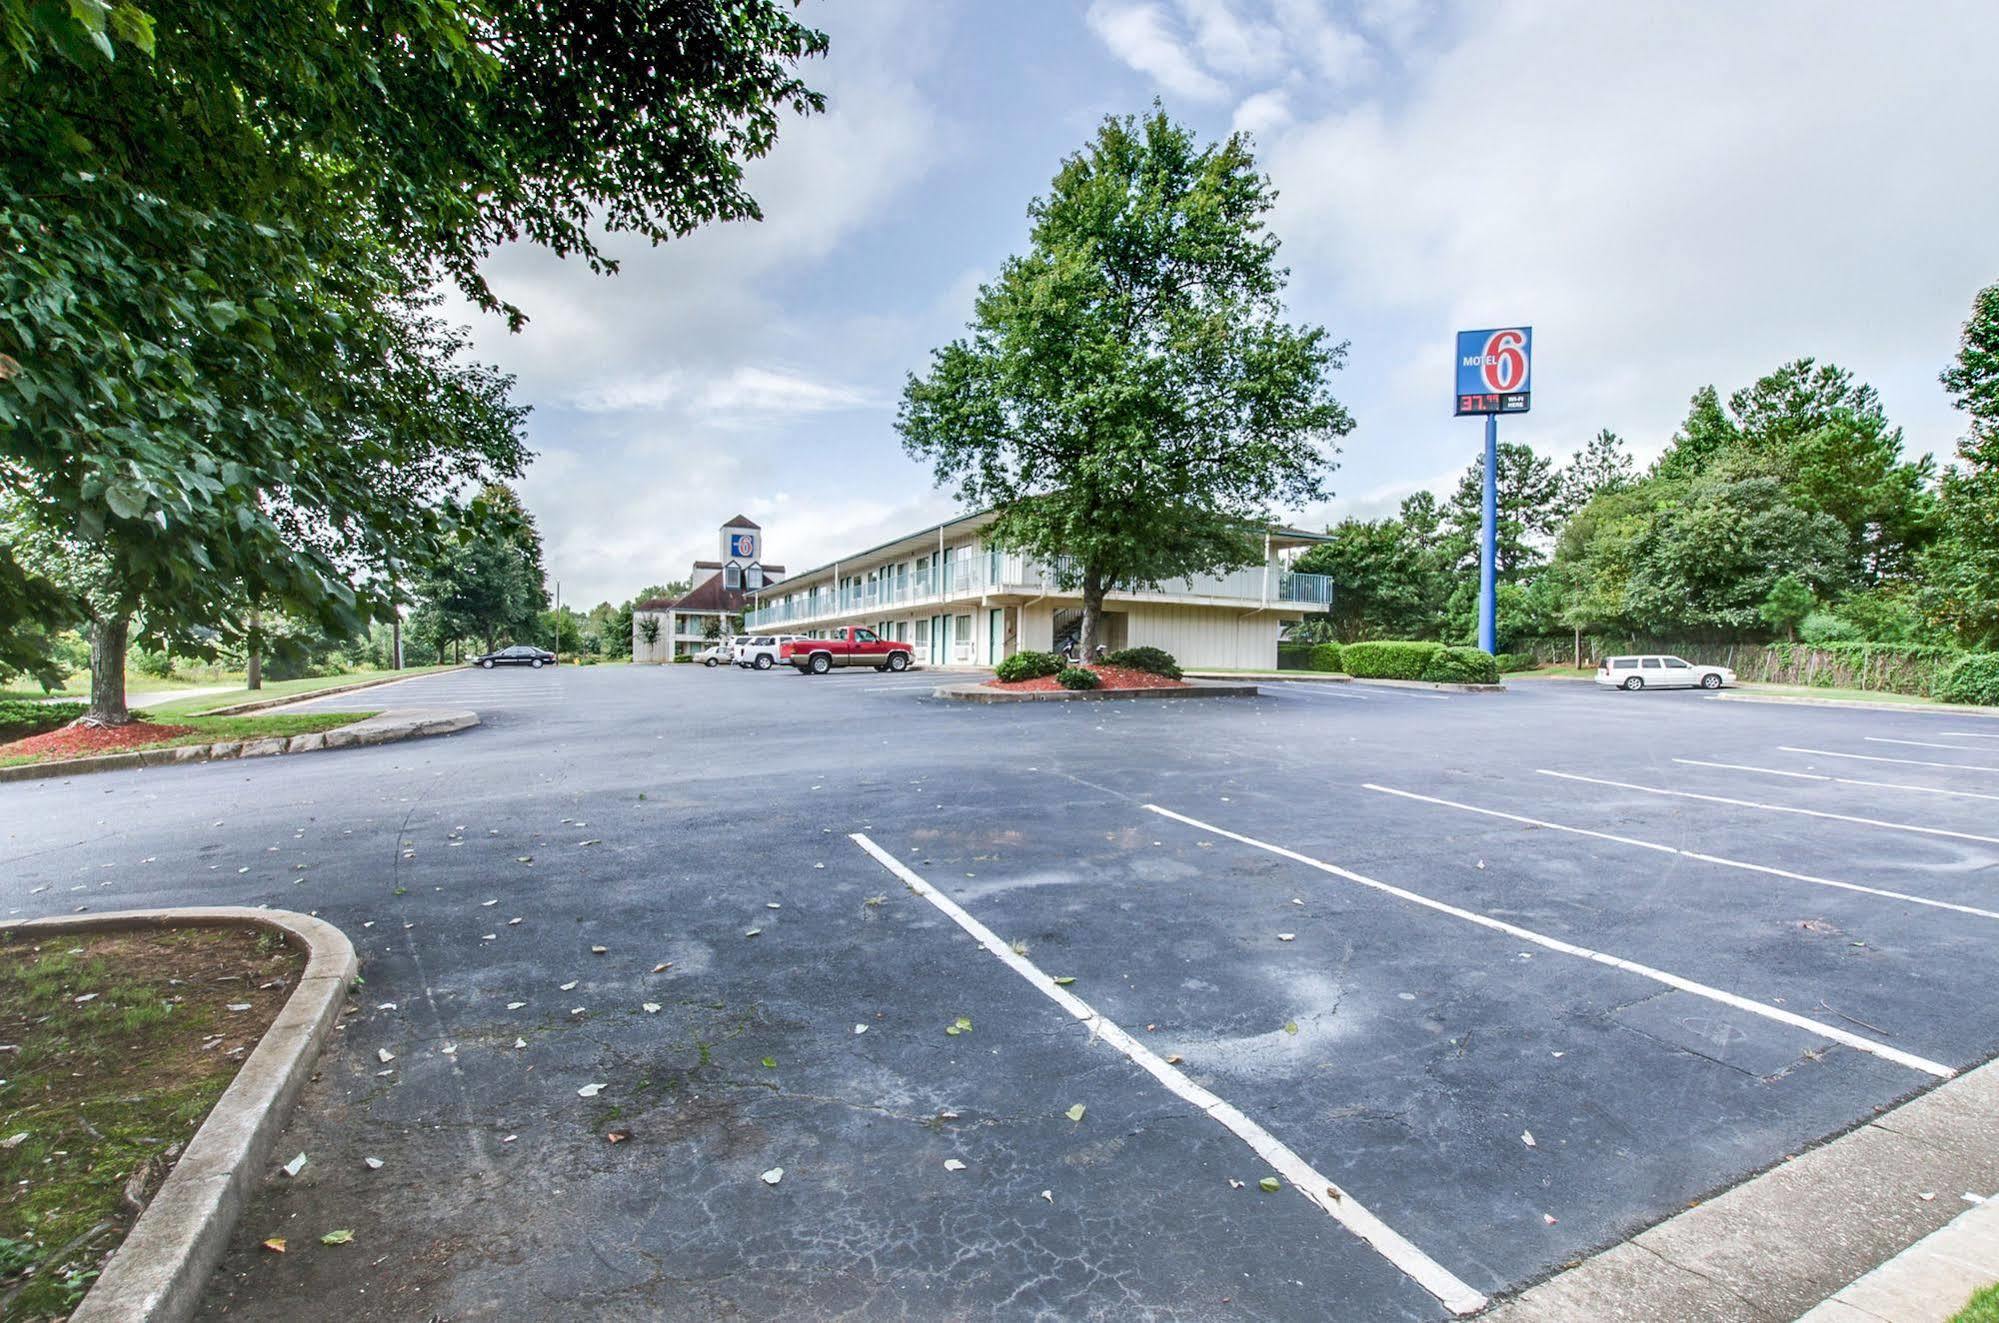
(850, 646)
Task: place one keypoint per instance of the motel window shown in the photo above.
(732, 575)
(754, 577)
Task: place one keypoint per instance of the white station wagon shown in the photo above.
(1660, 671)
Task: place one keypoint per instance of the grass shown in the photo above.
(104, 1088)
(1862, 695)
(1983, 1307)
(78, 686)
(209, 730)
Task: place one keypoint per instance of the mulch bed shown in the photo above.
(1110, 677)
(86, 741)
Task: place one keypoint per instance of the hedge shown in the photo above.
(20, 718)
(1154, 661)
(1509, 662)
(1387, 660)
(1898, 668)
(1325, 657)
(1461, 666)
(1077, 677)
(1027, 665)
(1971, 679)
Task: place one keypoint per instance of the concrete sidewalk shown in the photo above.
(1929, 1282)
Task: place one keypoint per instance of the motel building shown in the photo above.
(710, 609)
(961, 602)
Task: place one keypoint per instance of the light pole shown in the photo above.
(1488, 543)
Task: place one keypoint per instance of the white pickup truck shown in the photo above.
(759, 651)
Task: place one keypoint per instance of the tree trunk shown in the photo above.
(1093, 615)
(1579, 647)
(108, 640)
(253, 658)
(396, 641)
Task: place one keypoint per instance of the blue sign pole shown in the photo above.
(1494, 376)
(1488, 544)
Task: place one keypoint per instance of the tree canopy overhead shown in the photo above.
(221, 222)
(1129, 396)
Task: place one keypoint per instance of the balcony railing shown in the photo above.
(976, 574)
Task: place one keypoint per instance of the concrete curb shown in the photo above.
(383, 728)
(1781, 1242)
(1930, 1280)
(158, 1274)
(287, 700)
(1311, 677)
(979, 693)
(1927, 709)
(1435, 684)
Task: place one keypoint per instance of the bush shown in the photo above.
(1387, 660)
(20, 718)
(1154, 661)
(1461, 666)
(1325, 657)
(1825, 627)
(1971, 679)
(1509, 662)
(1027, 665)
(1076, 677)
(684, 657)
(1294, 656)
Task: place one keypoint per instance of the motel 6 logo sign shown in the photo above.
(1495, 370)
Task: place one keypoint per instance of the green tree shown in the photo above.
(1382, 580)
(1129, 398)
(1602, 465)
(1706, 562)
(1786, 605)
(1706, 435)
(1960, 582)
(1530, 509)
(491, 587)
(223, 219)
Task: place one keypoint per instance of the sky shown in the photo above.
(1671, 195)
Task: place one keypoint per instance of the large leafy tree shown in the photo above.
(1129, 396)
(218, 218)
(1602, 465)
(1383, 577)
(1708, 562)
(494, 586)
(1530, 509)
(1960, 589)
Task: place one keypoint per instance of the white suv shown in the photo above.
(1660, 671)
(760, 650)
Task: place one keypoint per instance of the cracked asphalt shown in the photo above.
(699, 821)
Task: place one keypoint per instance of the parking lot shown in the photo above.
(1031, 1004)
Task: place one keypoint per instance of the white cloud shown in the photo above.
(1231, 43)
(744, 395)
(1262, 112)
(1141, 35)
(1331, 51)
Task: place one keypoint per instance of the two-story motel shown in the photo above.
(963, 602)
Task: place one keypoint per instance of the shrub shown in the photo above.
(1076, 677)
(1461, 666)
(156, 664)
(1971, 679)
(1825, 627)
(20, 718)
(1027, 665)
(1294, 656)
(1509, 662)
(1325, 657)
(1387, 660)
(1155, 661)
(684, 657)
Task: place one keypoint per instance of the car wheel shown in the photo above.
(898, 661)
(709, 663)
(821, 663)
(1635, 682)
(763, 661)
(536, 663)
(486, 665)
(1710, 681)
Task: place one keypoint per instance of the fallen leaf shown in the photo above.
(662, 967)
(618, 1136)
(1049, 1195)
(520, 1042)
(860, 1029)
(372, 1164)
(340, 1237)
(1065, 980)
(276, 1244)
(952, 1164)
(1075, 1113)
(1548, 1218)
(1235, 1184)
(1290, 1026)
(599, 950)
(1527, 1138)
(770, 1063)
(1287, 937)
(1173, 1060)
(589, 1090)
(1270, 1185)
(773, 1176)
(753, 932)
(649, 1007)
(570, 986)
(234, 1005)
(383, 1055)
(295, 1166)
(515, 1005)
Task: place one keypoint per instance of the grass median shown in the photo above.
(116, 1047)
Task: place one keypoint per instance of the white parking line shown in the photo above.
(1692, 854)
(1419, 1267)
(1838, 780)
(1971, 735)
(1823, 1030)
(1403, 693)
(1773, 808)
(1877, 758)
(1923, 744)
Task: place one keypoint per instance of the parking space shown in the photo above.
(1346, 1000)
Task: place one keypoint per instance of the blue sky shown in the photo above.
(1671, 194)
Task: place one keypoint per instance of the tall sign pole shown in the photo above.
(1494, 376)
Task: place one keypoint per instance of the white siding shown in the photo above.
(1206, 636)
(1037, 628)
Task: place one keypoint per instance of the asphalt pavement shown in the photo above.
(1478, 965)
